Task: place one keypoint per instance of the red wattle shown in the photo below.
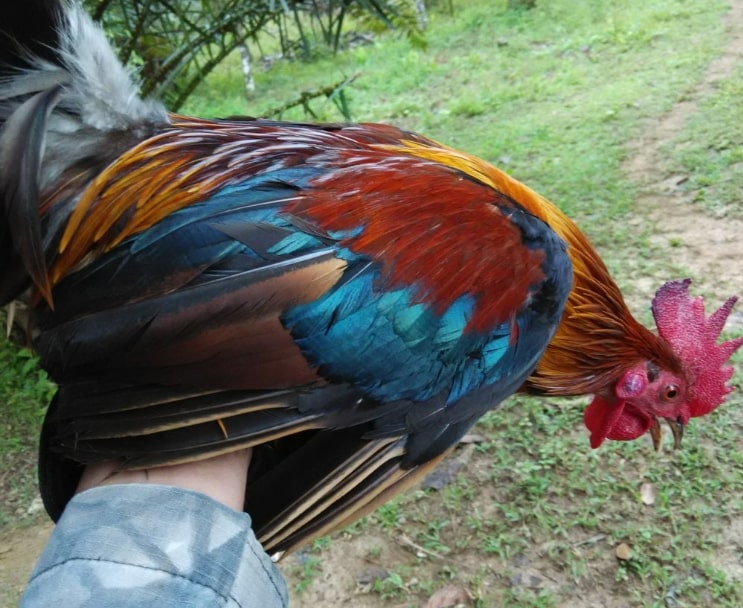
(613, 420)
(600, 416)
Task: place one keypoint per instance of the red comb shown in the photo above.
(693, 338)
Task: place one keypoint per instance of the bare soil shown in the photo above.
(709, 248)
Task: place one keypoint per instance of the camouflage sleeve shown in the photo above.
(147, 545)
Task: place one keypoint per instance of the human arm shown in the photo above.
(165, 537)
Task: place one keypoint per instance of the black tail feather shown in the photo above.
(58, 475)
(28, 28)
(21, 150)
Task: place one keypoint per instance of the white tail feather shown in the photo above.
(101, 90)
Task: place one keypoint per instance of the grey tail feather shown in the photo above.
(53, 42)
(65, 99)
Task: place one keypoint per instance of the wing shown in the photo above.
(347, 309)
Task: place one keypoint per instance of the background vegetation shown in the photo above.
(175, 44)
(532, 516)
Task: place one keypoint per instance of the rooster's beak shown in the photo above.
(677, 430)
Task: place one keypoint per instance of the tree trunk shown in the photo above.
(247, 63)
(420, 11)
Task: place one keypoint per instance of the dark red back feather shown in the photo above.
(424, 225)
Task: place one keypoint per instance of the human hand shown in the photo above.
(223, 478)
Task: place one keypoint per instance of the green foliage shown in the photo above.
(391, 587)
(175, 44)
(308, 572)
(399, 15)
(307, 565)
(24, 393)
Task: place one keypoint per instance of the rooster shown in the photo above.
(347, 300)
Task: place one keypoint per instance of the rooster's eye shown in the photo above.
(670, 392)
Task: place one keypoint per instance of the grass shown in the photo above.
(708, 154)
(552, 96)
(24, 393)
(534, 499)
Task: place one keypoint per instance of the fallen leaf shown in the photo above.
(371, 575)
(450, 596)
(442, 476)
(446, 472)
(526, 579)
(623, 552)
(472, 438)
(648, 493)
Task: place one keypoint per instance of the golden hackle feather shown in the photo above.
(95, 223)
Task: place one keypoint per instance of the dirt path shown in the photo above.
(711, 249)
(19, 548)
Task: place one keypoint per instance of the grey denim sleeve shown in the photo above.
(147, 545)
